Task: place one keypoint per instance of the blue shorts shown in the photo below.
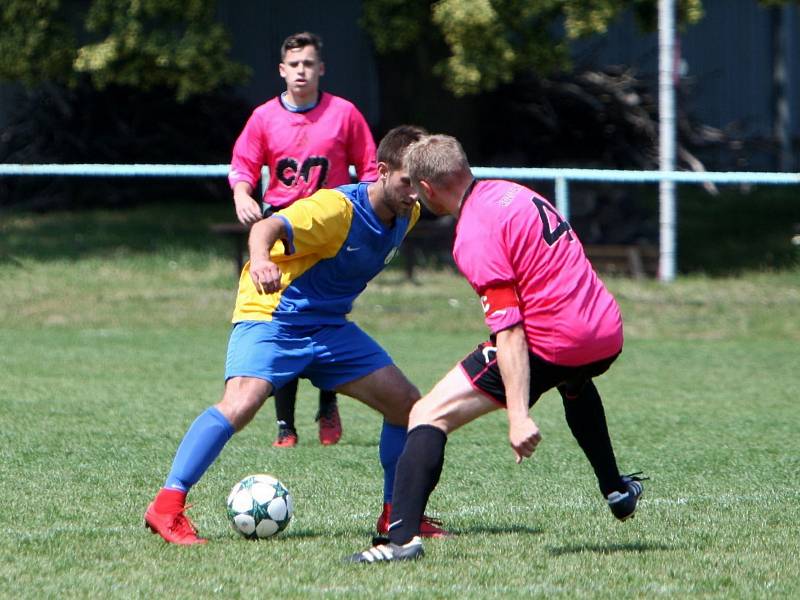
(328, 355)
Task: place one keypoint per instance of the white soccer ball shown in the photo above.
(259, 506)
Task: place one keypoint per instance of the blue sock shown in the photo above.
(200, 446)
(393, 440)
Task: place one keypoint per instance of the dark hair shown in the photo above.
(301, 40)
(394, 144)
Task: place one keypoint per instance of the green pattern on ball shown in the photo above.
(259, 511)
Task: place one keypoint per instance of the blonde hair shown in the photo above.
(436, 159)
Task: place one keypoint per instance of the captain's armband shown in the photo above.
(497, 299)
(501, 307)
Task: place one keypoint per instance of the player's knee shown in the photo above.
(423, 412)
(242, 398)
(571, 390)
(404, 400)
(412, 395)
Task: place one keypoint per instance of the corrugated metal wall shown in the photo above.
(728, 58)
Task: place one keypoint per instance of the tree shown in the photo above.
(140, 44)
(115, 81)
(489, 42)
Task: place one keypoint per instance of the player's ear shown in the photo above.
(321, 69)
(383, 170)
(426, 187)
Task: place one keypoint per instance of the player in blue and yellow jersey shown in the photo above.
(308, 264)
(307, 138)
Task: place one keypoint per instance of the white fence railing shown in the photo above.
(560, 177)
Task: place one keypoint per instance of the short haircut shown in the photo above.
(435, 159)
(301, 40)
(394, 144)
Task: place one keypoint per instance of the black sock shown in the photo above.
(416, 476)
(285, 398)
(327, 399)
(587, 421)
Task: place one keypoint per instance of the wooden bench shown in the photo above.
(632, 260)
(427, 237)
(433, 238)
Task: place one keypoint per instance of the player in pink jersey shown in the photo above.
(553, 325)
(308, 139)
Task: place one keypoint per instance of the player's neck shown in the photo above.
(461, 194)
(300, 103)
(375, 197)
(466, 193)
(375, 194)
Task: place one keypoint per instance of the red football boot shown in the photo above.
(428, 527)
(287, 438)
(330, 425)
(174, 527)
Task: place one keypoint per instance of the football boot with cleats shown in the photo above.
(176, 528)
(330, 425)
(382, 550)
(623, 504)
(287, 437)
(428, 527)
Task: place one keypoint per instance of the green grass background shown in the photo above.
(113, 328)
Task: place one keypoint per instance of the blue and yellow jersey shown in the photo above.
(335, 245)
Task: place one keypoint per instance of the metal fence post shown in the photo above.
(666, 138)
(562, 197)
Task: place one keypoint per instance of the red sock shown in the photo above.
(169, 501)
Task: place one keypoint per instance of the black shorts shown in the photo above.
(484, 373)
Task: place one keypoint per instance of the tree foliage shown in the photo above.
(37, 43)
(489, 42)
(142, 44)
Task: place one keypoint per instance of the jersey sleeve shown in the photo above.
(361, 150)
(248, 153)
(493, 278)
(317, 225)
(489, 262)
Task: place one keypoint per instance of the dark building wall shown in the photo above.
(727, 61)
(258, 28)
(728, 56)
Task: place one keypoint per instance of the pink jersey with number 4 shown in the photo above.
(305, 151)
(517, 252)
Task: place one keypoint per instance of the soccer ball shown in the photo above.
(259, 506)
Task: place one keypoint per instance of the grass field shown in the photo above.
(112, 340)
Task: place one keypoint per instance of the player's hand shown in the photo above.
(524, 436)
(266, 276)
(247, 209)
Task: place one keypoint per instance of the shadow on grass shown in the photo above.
(638, 547)
(290, 534)
(720, 235)
(145, 229)
(300, 534)
(736, 231)
(499, 530)
(139, 230)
